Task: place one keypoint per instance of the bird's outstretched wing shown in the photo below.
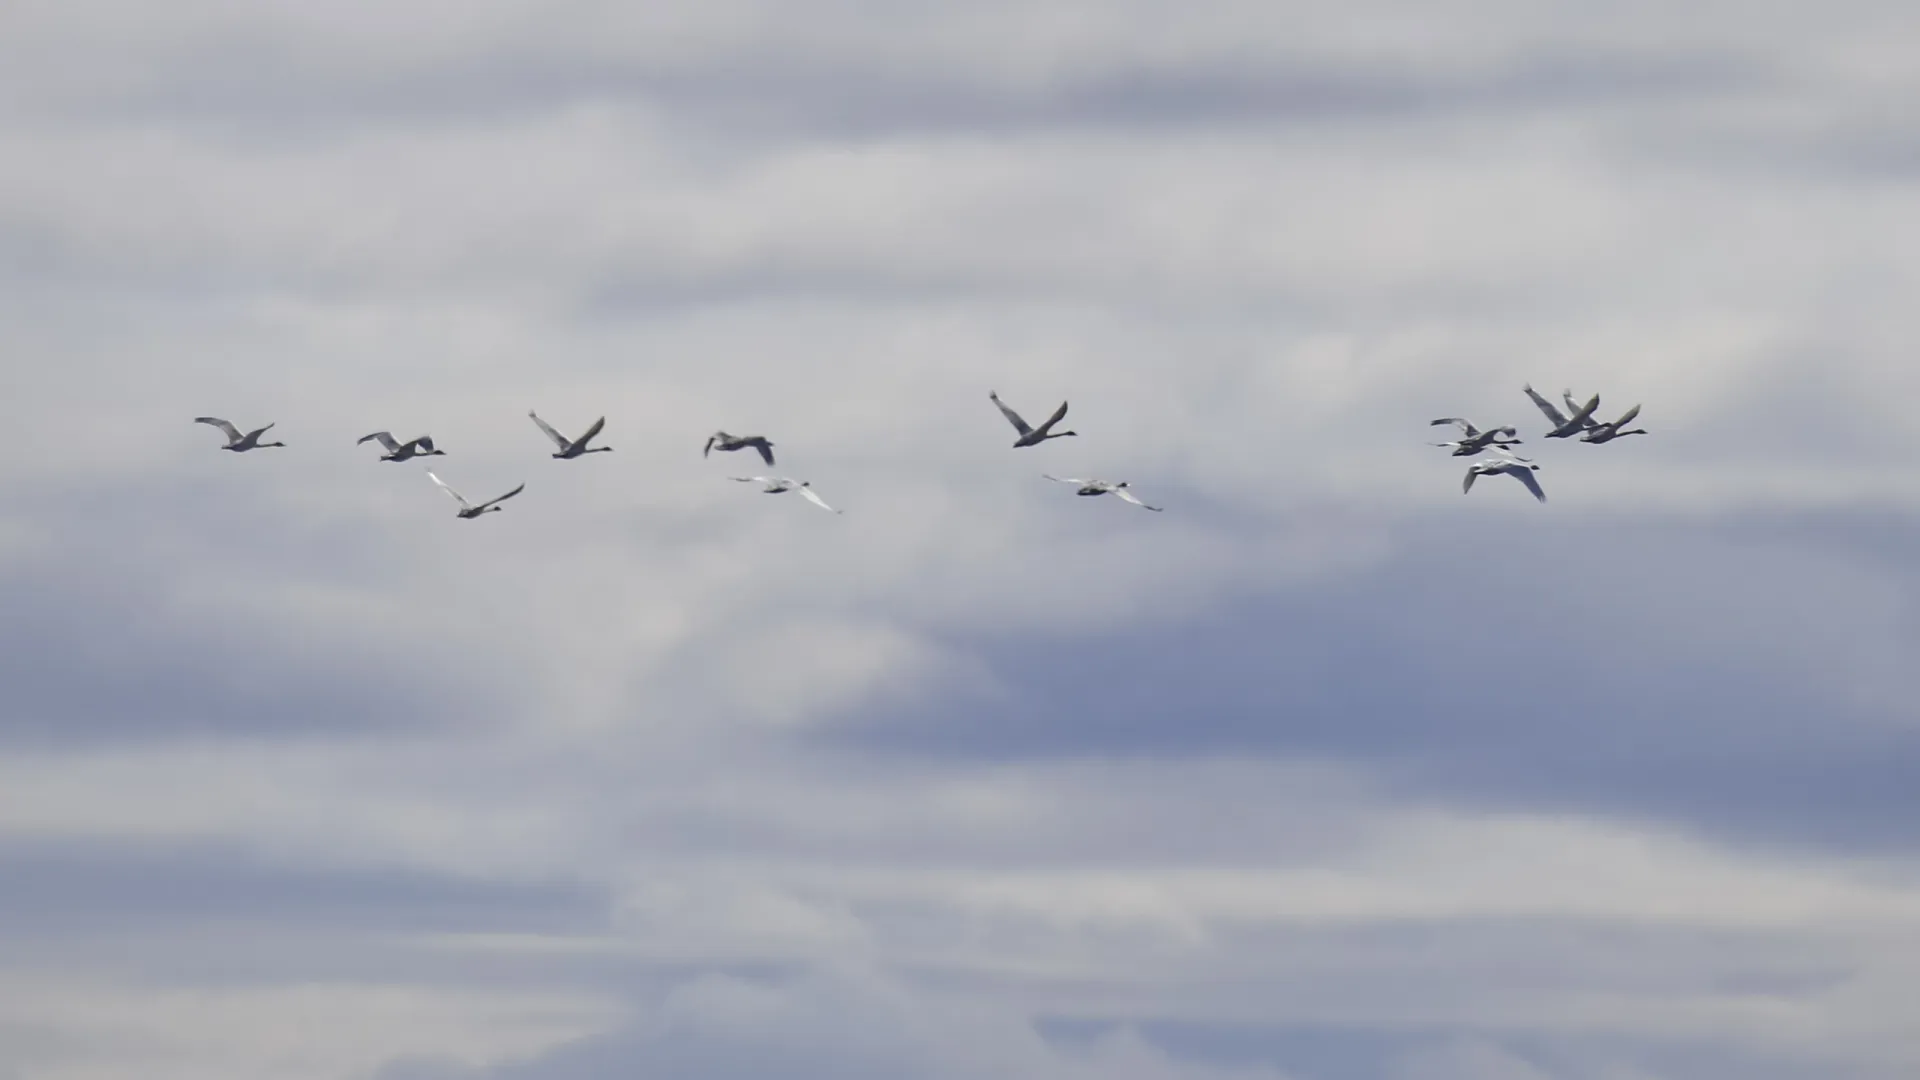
(1627, 417)
(1467, 484)
(1547, 407)
(708, 452)
(457, 497)
(766, 450)
(815, 499)
(755, 479)
(1467, 430)
(1526, 477)
(558, 439)
(1013, 418)
(592, 431)
(386, 440)
(424, 442)
(1128, 495)
(1573, 409)
(1058, 415)
(1064, 479)
(1584, 415)
(233, 433)
(501, 499)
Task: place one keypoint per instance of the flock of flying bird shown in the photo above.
(423, 446)
(1473, 441)
(1577, 420)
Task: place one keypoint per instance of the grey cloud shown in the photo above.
(833, 1026)
(771, 96)
(1704, 675)
(1363, 1053)
(852, 70)
(120, 889)
(107, 642)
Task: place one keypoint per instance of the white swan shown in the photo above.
(1472, 440)
(237, 442)
(720, 440)
(1607, 432)
(1101, 487)
(402, 451)
(1564, 425)
(777, 484)
(572, 448)
(467, 509)
(1505, 461)
(1030, 435)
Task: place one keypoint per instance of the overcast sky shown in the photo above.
(1328, 772)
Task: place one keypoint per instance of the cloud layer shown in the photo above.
(1328, 772)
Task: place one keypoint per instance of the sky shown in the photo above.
(1328, 772)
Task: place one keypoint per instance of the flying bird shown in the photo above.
(1563, 425)
(1472, 440)
(237, 442)
(572, 448)
(1030, 435)
(402, 451)
(778, 484)
(467, 509)
(1505, 461)
(1102, 487)
(720, 440)
(1598, 432)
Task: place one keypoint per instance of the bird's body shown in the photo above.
(1030, 435)
(1521, 469)
(402, 451)
(720, 440)
(1564, 425)
(775, 485)
(1102, 487)
(1472, 440)
(572, 448)
(469, 510)
(1607, 432)
(237, 442)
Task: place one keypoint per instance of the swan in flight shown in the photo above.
(1472, 440)
(1598, 432)
(1030, 435)
(237, 442)
(1505, 461)
(572, 448)
(777, 484)
(1101, 487)
(402, 451)
(1563, 425)
(720, 440)
(467, 509)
